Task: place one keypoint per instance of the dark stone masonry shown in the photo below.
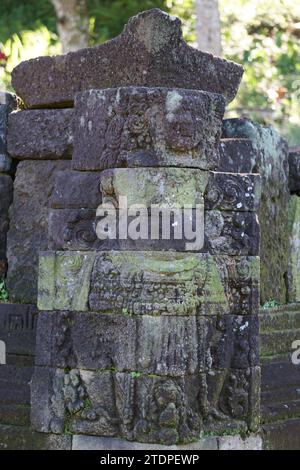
(138, 343)
(149, 52)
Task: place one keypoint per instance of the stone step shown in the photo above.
(284, 435)
(18, 415)
(280, 376)
(276, 343)
(280, 396)
(23, 438)
(274, 412)
(285, 317)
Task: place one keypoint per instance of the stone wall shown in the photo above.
(279, 328)
(272, 163)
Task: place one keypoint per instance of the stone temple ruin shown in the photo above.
(144, 341)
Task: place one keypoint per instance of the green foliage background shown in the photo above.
(262, 35)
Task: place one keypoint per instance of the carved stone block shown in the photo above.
(165, 345)
(131, 126)
(231, 400)
(238, 155)
(150, 52)
(28, 227)
(145, 408)
(233, 192)
(148, 283)
(168, 186)
(40, 134)
(18, 328)
(232, 233)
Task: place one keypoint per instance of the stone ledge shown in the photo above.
(81, 442)
(150, 51)
(23, 438)
(284, 435)
(253, 442)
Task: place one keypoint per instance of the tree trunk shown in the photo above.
(209, 26)
(72, 23)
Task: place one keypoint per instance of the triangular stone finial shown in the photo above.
(149, 52)
(155, 29)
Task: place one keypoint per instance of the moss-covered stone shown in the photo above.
(293, 279)
(272, 164)
(161, 282)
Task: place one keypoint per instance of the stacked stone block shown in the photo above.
(148, 342)
(42, 140)
(293, 278)
(141, 340)
(17, 331)
(270, 160)
(279, 329)
(7, 105)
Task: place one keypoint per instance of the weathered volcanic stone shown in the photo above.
(181, 186)
(225, 232)
(280, 391)
(167, 186)
(8, 103)
(231, 233)
(283, 435)
(149, 52)
(152, 283)
(81, 442)
(14, 414)
(28, 229)
(139, 126)
(23, 438)
(40, 134)
(146, 408)
(294, 167)
(272, 164)
(237, 156)
(76, 190)
(18, 328)
(293, 278)
(163, 345)
(6, 195)
(14, 384)
(170, 187)
(233, 192)
(78, 229)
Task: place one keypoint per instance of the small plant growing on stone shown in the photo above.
(270, 304)
(3, 292)
(135, 375)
